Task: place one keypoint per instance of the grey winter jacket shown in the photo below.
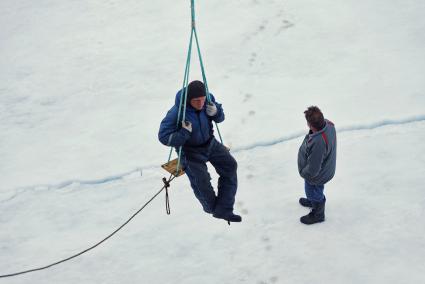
(317, 155)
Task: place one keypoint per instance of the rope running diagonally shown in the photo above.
(97, 244)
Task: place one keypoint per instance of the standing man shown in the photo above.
(196, 135)
(316, 163)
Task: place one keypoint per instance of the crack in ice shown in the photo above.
(297, 135)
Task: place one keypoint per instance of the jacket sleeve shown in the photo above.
(315, 158)
(219, 116)
(169, 134)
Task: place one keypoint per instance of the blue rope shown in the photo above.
(204, 77)
(183, 100)
(183, 96)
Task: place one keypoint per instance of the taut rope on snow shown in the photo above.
(182, 113)
(166, 185)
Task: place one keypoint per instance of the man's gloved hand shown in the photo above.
(211, 109)
(187, 125)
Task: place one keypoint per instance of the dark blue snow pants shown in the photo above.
(313, 192)
(194, 163)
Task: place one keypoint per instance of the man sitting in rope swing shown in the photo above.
(196, 135)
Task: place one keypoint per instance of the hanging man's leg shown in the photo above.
(226, 167)
(200, 180)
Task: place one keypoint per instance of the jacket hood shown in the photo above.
(321, 130)
(178, 97)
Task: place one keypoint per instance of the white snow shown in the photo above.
(85, 84)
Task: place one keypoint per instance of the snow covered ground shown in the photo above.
(84, 85)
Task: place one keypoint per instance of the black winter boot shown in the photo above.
(316, 215)
(305, 202)
(229, 217)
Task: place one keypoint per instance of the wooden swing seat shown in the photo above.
(171, 167)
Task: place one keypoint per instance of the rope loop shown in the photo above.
(167, 198)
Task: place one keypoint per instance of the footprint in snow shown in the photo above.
(240, 204)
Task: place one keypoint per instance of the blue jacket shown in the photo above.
(317, 155)
(172, 134)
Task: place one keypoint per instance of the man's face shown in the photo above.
(198, 103)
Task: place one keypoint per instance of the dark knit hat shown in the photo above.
(195, 89)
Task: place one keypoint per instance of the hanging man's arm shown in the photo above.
(171, 135)
(215, 110)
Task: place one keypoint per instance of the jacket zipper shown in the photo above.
(200, 126)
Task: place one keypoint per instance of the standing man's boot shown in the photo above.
(316, 215)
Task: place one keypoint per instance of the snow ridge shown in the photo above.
(382, 123)
(297, 135)
(70, 182)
